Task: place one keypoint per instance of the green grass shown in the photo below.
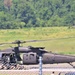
(63, 46)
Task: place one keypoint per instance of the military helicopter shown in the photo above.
(30, 55)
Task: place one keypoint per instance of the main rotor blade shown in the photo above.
(36, 40)
(48, 39)
(20, 42)
(5, 43)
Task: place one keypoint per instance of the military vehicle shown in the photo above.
(30, 55)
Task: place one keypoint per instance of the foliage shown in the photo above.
(36, 13)
(8, 3)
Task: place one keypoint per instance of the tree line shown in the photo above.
(36, 13)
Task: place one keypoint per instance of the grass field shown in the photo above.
(65, 45)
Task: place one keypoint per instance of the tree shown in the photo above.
(8, 3)
(36, 13)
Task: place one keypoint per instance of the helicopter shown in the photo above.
(30, 55)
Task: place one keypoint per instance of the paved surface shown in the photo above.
(47, 70)
(25, 72)
(51, 66)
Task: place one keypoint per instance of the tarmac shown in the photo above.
(47, 69)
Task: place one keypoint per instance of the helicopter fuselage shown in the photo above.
(30, 55)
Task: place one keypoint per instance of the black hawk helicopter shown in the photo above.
(30, 55)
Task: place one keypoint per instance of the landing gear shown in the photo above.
(10, 62)
(6, 62)
(5, 59)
